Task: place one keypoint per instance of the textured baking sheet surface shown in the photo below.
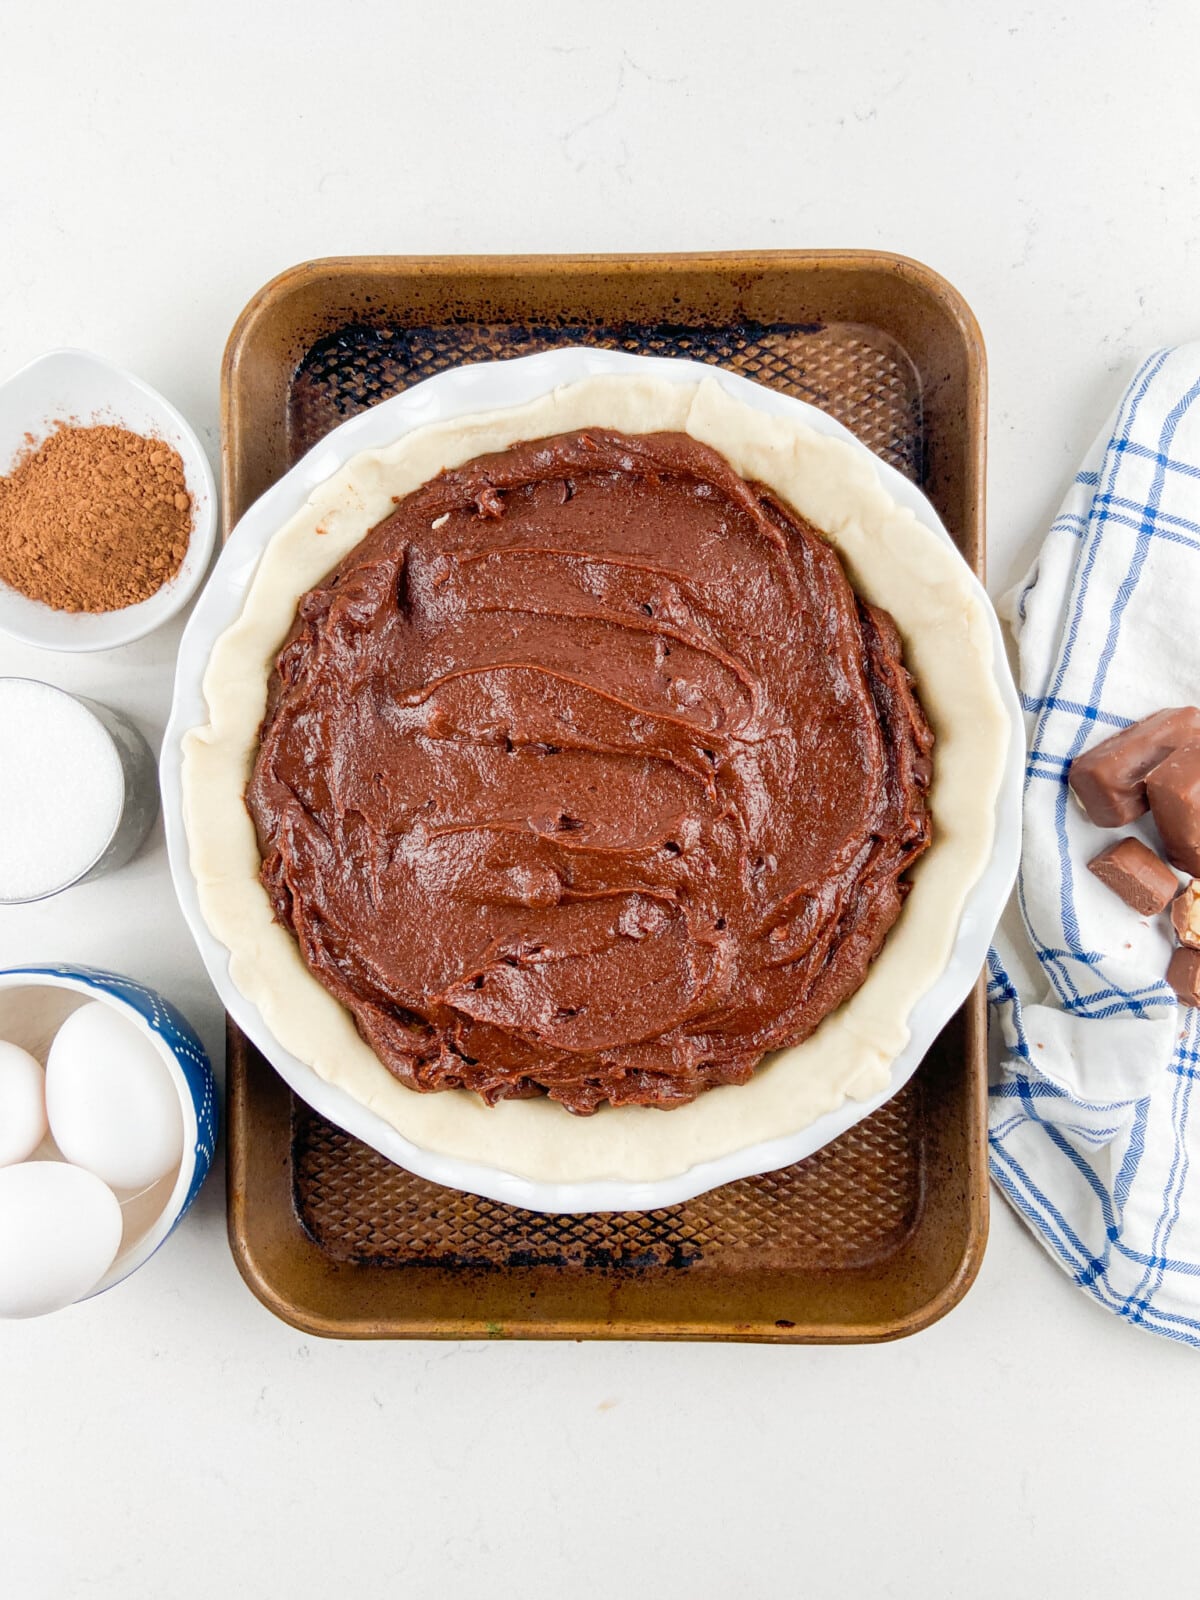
(850, 1204)
(858, 375)
(844, 1207)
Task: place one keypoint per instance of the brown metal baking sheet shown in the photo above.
(883, 1230)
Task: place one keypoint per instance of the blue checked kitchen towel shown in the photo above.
(1094, 1138)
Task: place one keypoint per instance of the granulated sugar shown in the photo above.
(61, 789)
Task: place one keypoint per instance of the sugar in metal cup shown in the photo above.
(78, 790)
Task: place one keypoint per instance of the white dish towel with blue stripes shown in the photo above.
(1094, 1138)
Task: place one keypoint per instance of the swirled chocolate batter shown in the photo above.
(587, 774)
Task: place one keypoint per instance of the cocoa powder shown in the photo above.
(93, 519)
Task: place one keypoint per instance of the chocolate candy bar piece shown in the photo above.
(1132, 870)
(1109, 780)
(1183, 974)
(1185, 914)
(1173, 789)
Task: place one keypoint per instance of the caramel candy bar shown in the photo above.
(1109, 780)
(1173, 789)
(1132, 870)
(1183, 974)
(1185, 914)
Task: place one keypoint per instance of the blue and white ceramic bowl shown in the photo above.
(36, 1000)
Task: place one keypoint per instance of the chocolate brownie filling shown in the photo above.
(587, 774)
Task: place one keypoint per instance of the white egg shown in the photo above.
(22, 1103)
(112, 1101)
(60, 1228)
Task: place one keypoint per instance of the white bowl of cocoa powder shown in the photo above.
(108, 508)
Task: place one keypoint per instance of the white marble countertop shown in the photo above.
(161, 162)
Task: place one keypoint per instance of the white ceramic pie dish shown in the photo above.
(463, 392)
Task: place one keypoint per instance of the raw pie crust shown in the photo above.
(892, 560)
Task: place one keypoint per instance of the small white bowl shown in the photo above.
(34, 1003)
(74, 386)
